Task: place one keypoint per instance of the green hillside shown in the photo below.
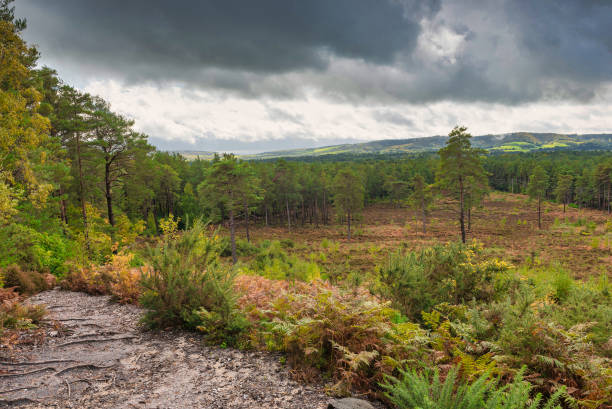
(512, 142)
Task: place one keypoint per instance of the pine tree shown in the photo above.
(536, 189)
(563, 191)
(229, 184)
(348, 192)
(460, 172)
(421, 198)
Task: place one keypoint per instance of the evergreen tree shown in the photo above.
(227, 184)
(536, 189)
(348, 195)
(460, 171)
(563, 191)
(421, 199)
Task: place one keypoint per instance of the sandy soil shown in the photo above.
(101, 358)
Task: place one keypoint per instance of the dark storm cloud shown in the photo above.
(255, 36)
(506, 51)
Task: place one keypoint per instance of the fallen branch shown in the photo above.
(84, 341)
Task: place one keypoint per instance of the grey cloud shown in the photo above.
(212, 144)
(392, 117)
(358, 51)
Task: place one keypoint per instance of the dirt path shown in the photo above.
(102, 359)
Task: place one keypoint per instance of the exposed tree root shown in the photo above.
(84, 366)
(15, 402)
(14, 375)
(84, 341)
(18, 389)
(52, 361)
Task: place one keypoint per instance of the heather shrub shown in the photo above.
(186, 286)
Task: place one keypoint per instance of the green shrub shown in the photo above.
(428, 391)
(243, 248)
(33, 250)
(186, 286)
(273, 262)
(417, 281)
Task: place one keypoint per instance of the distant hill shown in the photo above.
(192, 155)
(510, 142)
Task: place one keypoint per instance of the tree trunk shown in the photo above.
(539, 213)
(469, 216)
(424, 214)
(233, 236)
(324, 205)
(246, 221)
(461, 211)
(63, 213)
(348, 220)
(266, 216)
(82, 193)
(108, 193)
(288, 214)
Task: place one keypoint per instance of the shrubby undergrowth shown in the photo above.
(449, 306)
(185, 285)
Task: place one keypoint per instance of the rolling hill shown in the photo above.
(510, 142)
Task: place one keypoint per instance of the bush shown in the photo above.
(428, 391)
(273, 262)
(15, 315)
(186, 286)
(348, 336)
(33, 250)
(118, 278)
(547, 323)
(26, 282)
(243, 248)
(452, 273)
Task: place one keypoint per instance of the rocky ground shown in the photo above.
(99, 357)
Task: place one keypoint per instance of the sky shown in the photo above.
(251, 76)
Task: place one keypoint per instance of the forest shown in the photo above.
(456, 278)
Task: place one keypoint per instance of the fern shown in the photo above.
(427, 391)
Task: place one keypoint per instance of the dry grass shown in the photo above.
(506, 224)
